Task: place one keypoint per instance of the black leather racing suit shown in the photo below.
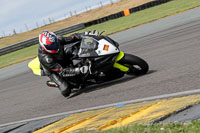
(53, 64)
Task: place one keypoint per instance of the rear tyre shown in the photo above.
(137, 65)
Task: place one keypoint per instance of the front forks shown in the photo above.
(120, 66)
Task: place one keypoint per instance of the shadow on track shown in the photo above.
(95, 87)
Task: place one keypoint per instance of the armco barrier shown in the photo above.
(34, 41)
(18, 46)
(74, 28)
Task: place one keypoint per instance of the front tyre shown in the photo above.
(136, 65)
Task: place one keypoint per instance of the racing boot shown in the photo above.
(62, 84)
(51, 83)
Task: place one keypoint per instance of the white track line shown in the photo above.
(178, 94)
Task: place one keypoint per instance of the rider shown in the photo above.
(54, 58)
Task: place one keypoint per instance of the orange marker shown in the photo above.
(126, 12)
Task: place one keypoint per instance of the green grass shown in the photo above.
(193, 127)
(114, 26)
(18, 56)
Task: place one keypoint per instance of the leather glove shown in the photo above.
(94, 32)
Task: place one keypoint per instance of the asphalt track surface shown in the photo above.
(173, 56)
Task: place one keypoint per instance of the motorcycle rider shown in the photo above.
(54, 58)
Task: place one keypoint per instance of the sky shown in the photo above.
(23, 14)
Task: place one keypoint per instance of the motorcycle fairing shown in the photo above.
(106, 48)
(90, 47)
(34, 65)
(101, 63)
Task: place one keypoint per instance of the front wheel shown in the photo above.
(136, 65)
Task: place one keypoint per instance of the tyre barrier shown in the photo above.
(77, 27)
(104, 19)
(148, 5)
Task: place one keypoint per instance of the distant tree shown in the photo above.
(44, 22)
(111, 1)
(37, 25)
(26, 27)
(70, 13)
(3, 34)
(101, 4)
(14, 32)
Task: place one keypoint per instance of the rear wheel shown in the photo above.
(136, 65)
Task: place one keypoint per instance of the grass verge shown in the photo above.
(18, 56)
(113, 26)
(193, 127)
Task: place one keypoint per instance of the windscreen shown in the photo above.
(88, 47)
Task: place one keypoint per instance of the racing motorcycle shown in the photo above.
(105, 60)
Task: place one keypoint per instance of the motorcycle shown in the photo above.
(105, 60)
